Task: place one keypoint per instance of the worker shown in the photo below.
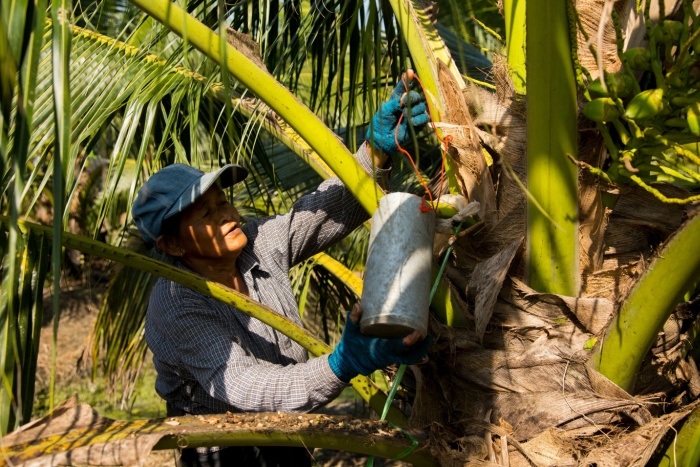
(211, 357)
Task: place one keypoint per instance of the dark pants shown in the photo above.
(243, 456)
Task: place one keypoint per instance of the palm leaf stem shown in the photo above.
(427, 48)
(339, 270)
(315, 346)
(274, 94)
(31, 287)
(684, 450)
(514, 13)
(552, 231)
(648, 306)
(370, 437)
(62, 157)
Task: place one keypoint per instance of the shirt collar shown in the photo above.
(248, 260)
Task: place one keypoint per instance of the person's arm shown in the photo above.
(227, 356)
(322, 218)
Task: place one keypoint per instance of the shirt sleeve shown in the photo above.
(322, 218)
(236, 366)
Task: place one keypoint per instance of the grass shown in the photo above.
(146, 404)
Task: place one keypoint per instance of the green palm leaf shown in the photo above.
(20, 39)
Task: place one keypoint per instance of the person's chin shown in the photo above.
(236, 240)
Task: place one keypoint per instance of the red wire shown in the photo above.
(444, 146)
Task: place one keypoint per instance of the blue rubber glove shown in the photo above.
(357, 354)
(411, 103)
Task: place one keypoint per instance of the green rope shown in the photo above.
(408, 450)
(392, 392)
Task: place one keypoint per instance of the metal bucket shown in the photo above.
(397, 280)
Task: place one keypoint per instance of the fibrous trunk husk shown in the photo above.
(465, 151)
(530, 376)
(518, 371)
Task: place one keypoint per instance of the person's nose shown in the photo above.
(229, 213)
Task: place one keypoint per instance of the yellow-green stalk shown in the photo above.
(110, 441)
(340, 271)
(552, 180)
(274, 94)
(60, 11)
(514, 13)
(427, 48)
(649, 304)
(684, 450)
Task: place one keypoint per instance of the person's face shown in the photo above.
(210, 229)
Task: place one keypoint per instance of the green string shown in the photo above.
(402, 368)
(408, 450)
(392, 392)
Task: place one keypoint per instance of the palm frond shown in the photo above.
(22, 309)
(112, 18)
(20, 39)
(116, 344)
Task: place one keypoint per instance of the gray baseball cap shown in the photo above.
(172, 189)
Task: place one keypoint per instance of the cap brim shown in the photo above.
(228, 175)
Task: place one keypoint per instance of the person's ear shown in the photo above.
(168, 244)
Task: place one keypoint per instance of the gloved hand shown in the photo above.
(357, 354)
(411, 104)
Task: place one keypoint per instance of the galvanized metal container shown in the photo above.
(397, 280)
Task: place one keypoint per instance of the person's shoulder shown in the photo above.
(250, 228)
(168, 292)
(172, 304)
(264, 229)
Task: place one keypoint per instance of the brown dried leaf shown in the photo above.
(636, 448)
(465, 149)
(487, 280)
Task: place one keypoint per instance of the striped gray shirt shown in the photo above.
(211, 357)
